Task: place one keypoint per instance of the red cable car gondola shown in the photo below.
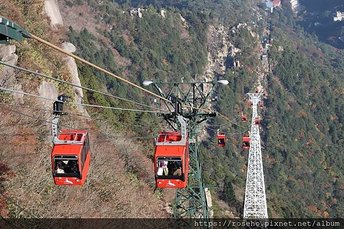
(70, 157)
(257, 120)
(246, 143)
(221, 139)
(243, 117)
(171, 159)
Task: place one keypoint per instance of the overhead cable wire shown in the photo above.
(216, 126)
(45, 110)
(149, 137)
(43, 120)
(70, 127)
(85, 105)
(210, 110)
(89, 89)
(103, 70)
(228, 119)
(28, 94)
(107, 72)
(97, 67)
(121, 109)
(221, 115)
(33, 117)
(68, 113)
(74, 85)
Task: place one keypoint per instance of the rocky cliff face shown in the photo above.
(52, 10)
(27, 189)
(73, 69)
(7, 74)
(221, 56)
(221, 53)
(220, 49)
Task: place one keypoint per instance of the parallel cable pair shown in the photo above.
(82, 104)
(74, 85)
(108, 73)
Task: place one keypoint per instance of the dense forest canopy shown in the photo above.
(302, 118)
(302, 122)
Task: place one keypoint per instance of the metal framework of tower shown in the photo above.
(255, 206)
(190, 202)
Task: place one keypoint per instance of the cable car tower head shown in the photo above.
(70, 156)
(172, 148)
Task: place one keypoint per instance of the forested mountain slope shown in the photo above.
(307, 80)
(302, 118)
(120, 181)
(302, 128)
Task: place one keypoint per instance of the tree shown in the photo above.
(228, 192)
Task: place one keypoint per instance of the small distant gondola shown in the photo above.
(257, 120)
(246, 142)
(221, 139)
(243, 117)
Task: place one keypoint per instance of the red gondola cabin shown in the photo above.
(257, 120)
(171, 160)
(243, 117)
(246, 143)
(221, 139)
(70, 157)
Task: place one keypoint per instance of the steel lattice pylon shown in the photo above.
(191, 202)
(255, 199)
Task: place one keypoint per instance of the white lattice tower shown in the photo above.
(255, 198)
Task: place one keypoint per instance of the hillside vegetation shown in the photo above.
(119, 162)
(302, 126)
(302, 115)
(302, 129)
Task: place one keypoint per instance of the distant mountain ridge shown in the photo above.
(317, 17)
